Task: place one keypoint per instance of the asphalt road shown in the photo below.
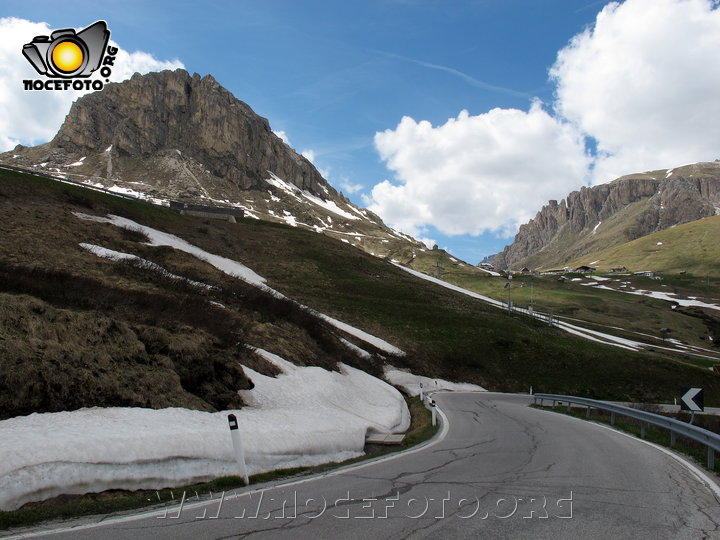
(503, 470)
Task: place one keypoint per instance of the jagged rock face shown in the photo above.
(687, 199)
(173, 110)
(640, 204)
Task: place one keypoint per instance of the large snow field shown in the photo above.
(305, 416)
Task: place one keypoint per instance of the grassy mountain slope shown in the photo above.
(692, 247)
(174, 326)
(631, 316)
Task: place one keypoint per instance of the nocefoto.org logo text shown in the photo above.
(68, 58)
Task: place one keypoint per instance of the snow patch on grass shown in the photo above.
(232, 268)
(120, 256)
(158, 238)
(78, 163)
(360, 352)
(367, 338)
(331, 206)
(495, 274)
(411, 383)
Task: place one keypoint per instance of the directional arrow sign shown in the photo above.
(692, 400)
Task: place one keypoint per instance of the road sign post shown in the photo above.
(237, 447)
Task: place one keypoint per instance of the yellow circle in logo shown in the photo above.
(67, 56)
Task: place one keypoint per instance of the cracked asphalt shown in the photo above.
(503, 470)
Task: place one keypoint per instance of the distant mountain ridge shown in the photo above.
(172, 136)
(604, 216)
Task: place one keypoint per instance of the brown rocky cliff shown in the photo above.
(197, 116)
(672, 197)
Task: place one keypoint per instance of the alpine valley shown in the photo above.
(121, 296)
(98, 308)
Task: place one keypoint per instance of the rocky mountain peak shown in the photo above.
(172, 110)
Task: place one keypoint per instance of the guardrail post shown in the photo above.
(612, 418)
(673, 439)
(642, 430)
(587, 412)
(711, 458)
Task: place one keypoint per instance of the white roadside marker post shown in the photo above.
(237, 446)
(421, 392)
(434, 412)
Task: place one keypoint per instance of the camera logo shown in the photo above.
(66, 54)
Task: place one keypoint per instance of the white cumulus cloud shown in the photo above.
(309, 155)
(644, 82)
(283, 136)
(348, 187)
(33, 117)
(489, 172)
(129, 63)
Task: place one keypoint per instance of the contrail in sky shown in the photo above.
(464, 76)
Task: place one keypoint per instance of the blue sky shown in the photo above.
(331, 75)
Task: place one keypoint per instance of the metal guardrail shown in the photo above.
(710, 439)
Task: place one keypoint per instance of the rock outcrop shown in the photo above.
(627, 208)
(197, 116)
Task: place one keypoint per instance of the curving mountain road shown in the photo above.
(502, 470)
